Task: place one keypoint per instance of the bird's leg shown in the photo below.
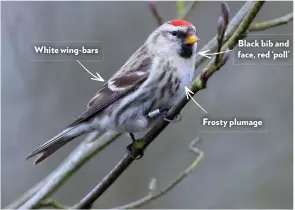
(137, 143)
(174, 120)
(158, 112)
(163, 113)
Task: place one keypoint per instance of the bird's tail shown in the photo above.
(54, 144)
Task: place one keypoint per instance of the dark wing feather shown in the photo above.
(132, 74)
(106, 96)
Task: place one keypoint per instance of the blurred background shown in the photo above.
(240, 169)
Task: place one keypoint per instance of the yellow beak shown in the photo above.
(192, 39)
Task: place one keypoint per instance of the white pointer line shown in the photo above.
(199, 105)
(97, 78)
(208, 55)
(188, 93)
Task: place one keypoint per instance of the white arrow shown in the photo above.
(97, 77)
(208, 55)
(188, 93)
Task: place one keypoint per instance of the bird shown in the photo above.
(153, 78)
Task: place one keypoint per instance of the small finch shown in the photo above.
(154, 77)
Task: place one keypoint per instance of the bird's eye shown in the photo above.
(179, 34)
(174, 33)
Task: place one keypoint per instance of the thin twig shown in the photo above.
(78, 157)
(222, 26)
(234, 23)
(51, 203)
(180, 7)
(155, 12)
(271, 23)
(26, 196)
(198, 84)
(152, 196)
(188, 11)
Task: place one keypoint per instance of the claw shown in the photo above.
(137, 143)
(129, 151)
(163, 113)
(176, 119)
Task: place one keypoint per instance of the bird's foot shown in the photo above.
(175, 119)
(138, 145)
(163, 113)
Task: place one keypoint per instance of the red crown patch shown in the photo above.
(180, 23)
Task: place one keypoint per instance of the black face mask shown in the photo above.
(186, 50)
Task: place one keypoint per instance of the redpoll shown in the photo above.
(155, 76)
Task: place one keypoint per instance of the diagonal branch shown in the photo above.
(155, 12)
(198, 84)
(153, 196)
(221, 28)
(271, 23)
(78, 157)
(188, 10)
(51, 203)
(25, 197)
(160, 20)
(234, 23)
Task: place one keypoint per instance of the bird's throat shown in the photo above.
(186, 50)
